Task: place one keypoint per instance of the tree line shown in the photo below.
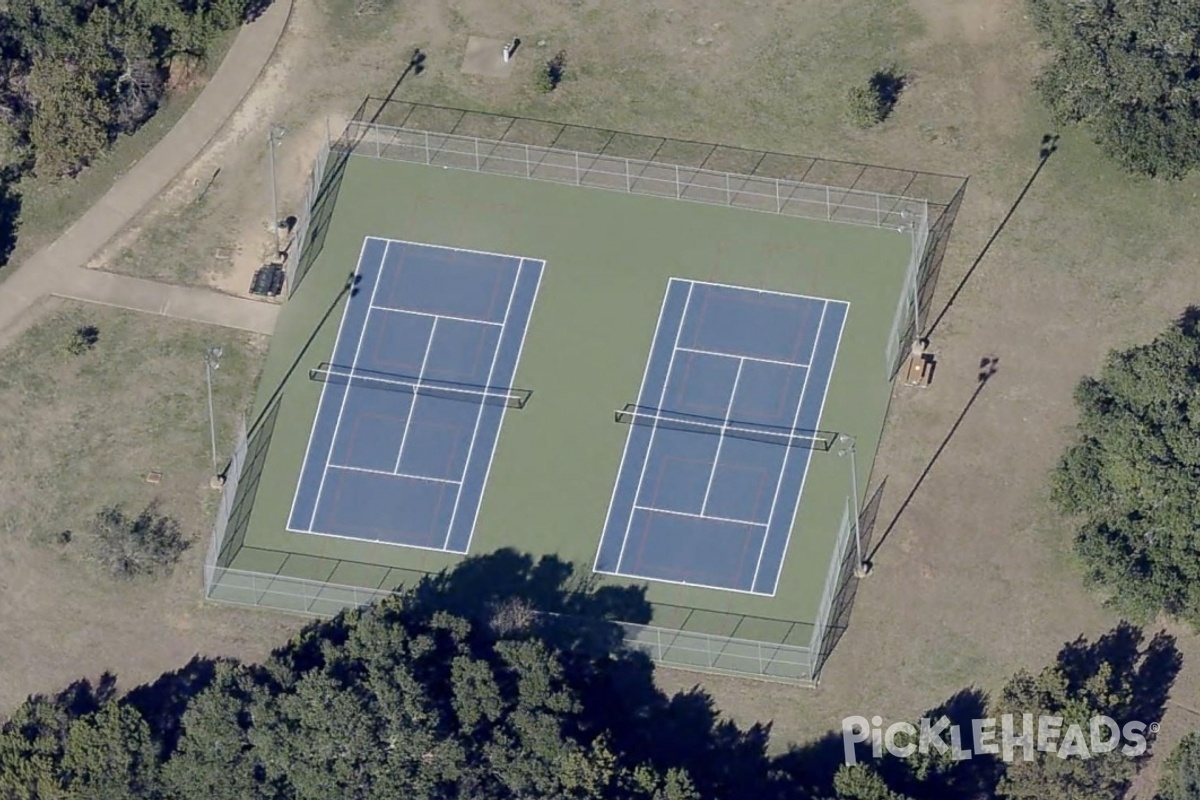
(77, 74)
(457, 688)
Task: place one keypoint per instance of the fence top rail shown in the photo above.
(438, 142)
(519, 130)
(288, 579)
(718, 637)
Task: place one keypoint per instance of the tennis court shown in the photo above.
(721, 436)
(415, 394)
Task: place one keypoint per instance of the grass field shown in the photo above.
(973, 579)
(82, 432)
(598, 304)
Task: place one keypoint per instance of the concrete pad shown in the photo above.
(485, 57)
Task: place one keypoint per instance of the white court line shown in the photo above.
(353, 365)
(786, 455)
(391, 310)
(656, 579)
(699, 516)
(512, 292)
(453, 249)
(312, 431)
(416, 393)
(629, 437)
(721, 439)
(751, 289)
(516, 363)
(745, 358)
(348, 538)
(348, 468)
(650, 445)
(820, 413)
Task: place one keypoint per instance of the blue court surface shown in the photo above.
(414, 395)
(712, 475)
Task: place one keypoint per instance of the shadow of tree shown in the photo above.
(808, 770)
(82, 697)
(887, 84)
(162, 702)
(508, 594)
(10, 217)
(1147, 673)
(255, 9)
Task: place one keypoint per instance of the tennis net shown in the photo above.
(690, 423)
(444, 390)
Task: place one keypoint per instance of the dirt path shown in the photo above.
(59, 268)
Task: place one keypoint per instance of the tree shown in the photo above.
(1118, 678)
(1130, 73)
(1131, 475)
(861, 782)
(1180, 778)
(425, 695)
(70, 120)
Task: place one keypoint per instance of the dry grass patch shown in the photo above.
(82, 432)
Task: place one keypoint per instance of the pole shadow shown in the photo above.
(416, 65)
(1049, 147)
(350, 287)
(987, 369)
(320, 212)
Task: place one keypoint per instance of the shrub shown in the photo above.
(83, 339)
(552, 72)
(870, 103)
(149, 544)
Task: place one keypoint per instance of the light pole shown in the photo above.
(273, 138)
(212, 361)
(862, 569)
